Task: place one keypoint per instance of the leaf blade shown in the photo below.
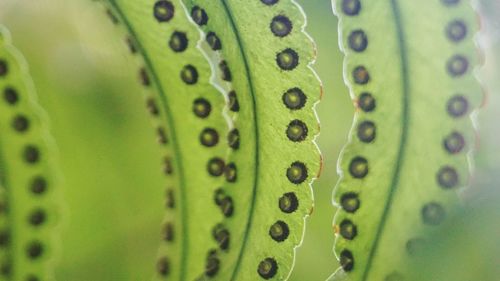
(266, 235)
(30, 210)
(181, 89)
(400, 141)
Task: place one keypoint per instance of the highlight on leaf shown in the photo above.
(272, 93)
(28, 181)
(407, 156)
(188, 114)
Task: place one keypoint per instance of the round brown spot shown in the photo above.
(279, 231)
(281, 26)
(287, 59)
(178, 41)
(358, 167)
(163, 10)
(199, 16)
(288, 203)
(297, 172)
(268, 268)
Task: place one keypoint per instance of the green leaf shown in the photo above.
(28, 184)
(409, 66)
(187, 111)
(265, 55)
(469, 239)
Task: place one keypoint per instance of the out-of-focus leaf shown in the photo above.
(28, 192)
(187, 111)
(409, 66)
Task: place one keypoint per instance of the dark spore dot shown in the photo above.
(267, 268)
(433, 213)
(214, 41)
(10, 96)
(189, 75)
(281, 26)
(447, 177)
(161, 135)
(361, 75)
(112, 16)
(38, 185)
(415, 246)
(296, 131)
(358, 41)
(20, 123)
(358, 167)
(450, 2)
(168, 168)
(152, 107)
(279, 231)
(131, 45)
(233, 102)
(457, 65)
(32, 278)
(350, 202)
(351, 7)
(366, 131)
(163, 266)
(219, 195)
(6, 269)
(456, 30)
(144, 77)
(178, 41)
(202, 108)
(230, 172)
(458, 106)
(346, 260)
(297, 173)
(269, 2)
(348, 230)
(212, 264)
(288, 203)
(34, 250)
(37, 217)
(366, 102)
(168, 232)
(454, 143)
(215, 167)
(199, 15)
(4, 238)
(287, 59)
(225, 71)
(209, 137)
(4, 68)
(222, 236)
(170, 199)
(226, 206)
(31, 154)
(294, 99)
(233, 139)
(163, 10)
(394, 276)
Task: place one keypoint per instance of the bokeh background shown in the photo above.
(112, 182)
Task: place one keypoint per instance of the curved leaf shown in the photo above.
(187, 111)
(409, 66)
(273, 93)
(28, 189)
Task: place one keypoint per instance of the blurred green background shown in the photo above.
(113, 185)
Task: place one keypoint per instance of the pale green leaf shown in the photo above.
(409, 66)
(187, 112)
(265, 55)
(28, 193)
